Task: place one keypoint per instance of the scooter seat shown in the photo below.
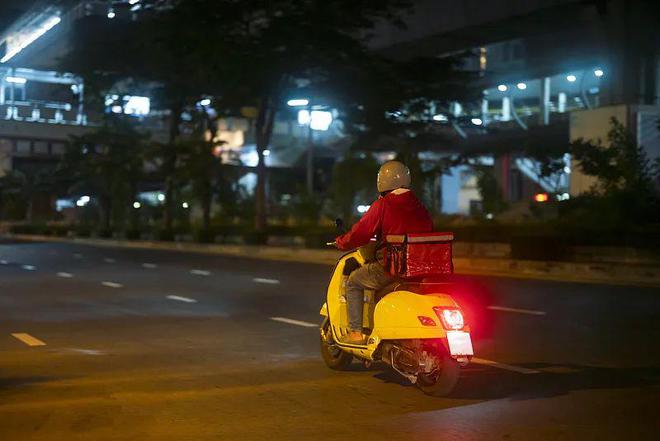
(424, 286)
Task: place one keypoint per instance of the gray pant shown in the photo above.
(371, 275)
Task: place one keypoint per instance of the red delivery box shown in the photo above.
(419, 255)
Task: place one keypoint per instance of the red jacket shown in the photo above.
(391, 214)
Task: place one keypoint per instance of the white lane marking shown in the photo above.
(109, 260)
(267, 281)
(78, 256)
(3, 262)
(508, 367)
(112, 284)
(28, 339)
(149, 265)
(520, 311)
(65, 275)
(200, 272)
(29, 267)
(295, 322)
(182, 299)
(83, 351)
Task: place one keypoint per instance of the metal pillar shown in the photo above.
(484, 111)
(506, 108)
(561, 102)
(544, 101)
(310, 152)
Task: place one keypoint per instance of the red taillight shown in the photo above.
(426, 321)
(451, 318)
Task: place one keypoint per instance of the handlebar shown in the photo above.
(332, 244)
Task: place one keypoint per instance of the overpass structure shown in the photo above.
(545, 67)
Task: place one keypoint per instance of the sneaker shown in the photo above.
(354, 338)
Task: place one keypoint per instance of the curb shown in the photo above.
(581, 272)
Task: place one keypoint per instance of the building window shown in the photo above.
(40, 147)
(23, 147)
(57, 148)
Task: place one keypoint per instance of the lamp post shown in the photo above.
(305, 102)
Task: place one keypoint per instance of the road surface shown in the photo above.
(117, 344)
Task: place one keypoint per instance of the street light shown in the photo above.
(502, 88)
(521, 86)
(16, 80)
(571, 78)
(599, 72)
(298, 102)
(477, 121)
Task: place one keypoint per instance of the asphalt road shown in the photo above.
(116, 344)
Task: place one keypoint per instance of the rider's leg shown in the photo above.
(370, 276)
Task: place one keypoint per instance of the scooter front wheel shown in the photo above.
(442, 382)
(334, 357)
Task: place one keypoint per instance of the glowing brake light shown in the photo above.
(426, 321)
(452, 319)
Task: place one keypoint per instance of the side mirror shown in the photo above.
(339, 223)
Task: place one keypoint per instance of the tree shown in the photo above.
(106, 163)
(353, 177)
(626, 178)
(270, 48)
(201, 169)
(492, 199)
(166, 54)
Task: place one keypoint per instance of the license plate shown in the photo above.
(459, 343)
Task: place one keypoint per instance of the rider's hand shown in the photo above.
(332, 244)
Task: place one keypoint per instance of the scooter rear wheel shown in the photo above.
(443, 382)
(334, 357)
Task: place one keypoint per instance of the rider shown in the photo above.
(396, 211)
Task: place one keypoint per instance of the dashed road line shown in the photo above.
(182, 299)
(65, 275)
(295, 322)
(200, 272)
(519, 311)
(29, 267)
(266, 281)
(109, 260)
(4, 262)
(507, 367)
(149, 265)
(112, 284)
(28, 339)
(83, 351)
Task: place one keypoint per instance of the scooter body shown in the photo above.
(407, 329)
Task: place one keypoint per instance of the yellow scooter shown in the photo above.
(414, 327)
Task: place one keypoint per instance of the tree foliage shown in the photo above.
(106, 163)
(627, 181)
(353, 179)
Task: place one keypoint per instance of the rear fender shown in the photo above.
(396, 315)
